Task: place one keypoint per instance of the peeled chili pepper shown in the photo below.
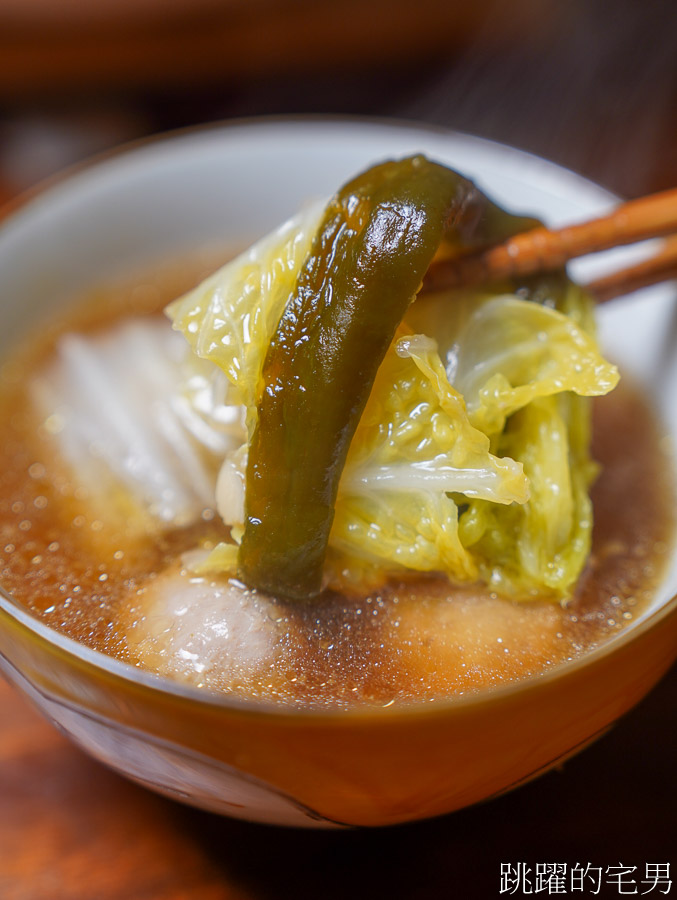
(376, 240)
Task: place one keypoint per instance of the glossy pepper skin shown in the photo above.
(376, 240)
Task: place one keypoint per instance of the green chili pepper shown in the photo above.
(377, 238)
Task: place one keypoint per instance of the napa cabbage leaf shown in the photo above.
(230, 317)
(472, 455)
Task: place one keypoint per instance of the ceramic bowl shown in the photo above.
(269, 763)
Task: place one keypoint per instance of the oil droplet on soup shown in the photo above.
(104, 574)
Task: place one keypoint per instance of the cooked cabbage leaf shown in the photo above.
(542, 545)
(513, 351)
(230, 318)
(474, 463)
(414, 447)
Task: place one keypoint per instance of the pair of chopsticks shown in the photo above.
(545, 249)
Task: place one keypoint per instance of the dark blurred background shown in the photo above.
(590, 84)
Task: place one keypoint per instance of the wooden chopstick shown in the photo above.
(662, 266)
(545, 249)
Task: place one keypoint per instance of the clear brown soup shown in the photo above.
(413, 640)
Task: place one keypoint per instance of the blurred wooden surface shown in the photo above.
(87, 47)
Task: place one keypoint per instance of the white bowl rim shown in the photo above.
(166, 686)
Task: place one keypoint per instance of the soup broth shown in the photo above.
(124, 585)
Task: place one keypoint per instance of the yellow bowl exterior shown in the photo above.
(353, 768)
